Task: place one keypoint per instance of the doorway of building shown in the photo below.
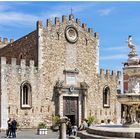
(70, 108)
(72, 119)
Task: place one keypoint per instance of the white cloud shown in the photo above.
(76, 8)
(114, 57)
(10, 17)
(105, 12)
(114, 48)
(14, 18)
(65, 9)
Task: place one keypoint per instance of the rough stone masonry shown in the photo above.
(32, 65)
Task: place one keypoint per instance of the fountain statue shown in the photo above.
(133, 59)
(130, 99)
(130, 44)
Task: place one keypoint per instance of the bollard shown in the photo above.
(63, 127)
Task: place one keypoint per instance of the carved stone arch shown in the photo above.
(25, 95)
(106, 96)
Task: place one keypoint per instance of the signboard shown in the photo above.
(71, 79)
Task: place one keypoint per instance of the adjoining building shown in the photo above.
(54, 71)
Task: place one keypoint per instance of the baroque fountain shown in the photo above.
(130, 99)
(130, 103)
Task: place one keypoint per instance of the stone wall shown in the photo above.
(23, 48)
(81, 55)
(12, 76)
(57, 55)
(5, 42)
(52, 54)
(109, 79)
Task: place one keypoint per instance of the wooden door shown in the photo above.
(70, 108)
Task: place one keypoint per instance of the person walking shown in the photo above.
(74, 129)
(69, 128)
(14, 128)
(8, 132)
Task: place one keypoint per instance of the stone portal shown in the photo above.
(70, 101)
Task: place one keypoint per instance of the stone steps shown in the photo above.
(97, 133)
(73, 137)
(85, 135)
(110, 133)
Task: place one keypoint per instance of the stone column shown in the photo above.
(63, 127)
(60, 104)
(85, 105)
(125, 114)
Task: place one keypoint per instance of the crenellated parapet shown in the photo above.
(20, 69)
(109, 74)
(65, 20)
(5, 41)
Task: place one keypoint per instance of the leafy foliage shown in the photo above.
(42, 125)
(138, 110)
(90, 119)
(55, 119)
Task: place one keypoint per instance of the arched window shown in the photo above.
(20, 56)
(26, 95)
(106, 97)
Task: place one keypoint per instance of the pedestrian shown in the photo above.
(14, 128)
(69, 128)
(74, 129)
(83, 125)
(102, 122)
(109, 121)
(8, 132)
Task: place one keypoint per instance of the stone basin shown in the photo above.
(132, 70)
(129, 98)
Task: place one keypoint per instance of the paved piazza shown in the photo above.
(32, 134)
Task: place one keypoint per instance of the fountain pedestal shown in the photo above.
(131, 113)
(130, 99)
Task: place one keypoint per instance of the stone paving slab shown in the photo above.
(32, 134)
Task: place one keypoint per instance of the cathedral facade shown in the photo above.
(54, 71)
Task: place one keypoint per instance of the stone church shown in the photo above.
(54, 71)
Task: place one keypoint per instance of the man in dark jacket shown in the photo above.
(14, 128)
(8, 132)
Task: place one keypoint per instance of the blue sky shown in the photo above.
(113, 20)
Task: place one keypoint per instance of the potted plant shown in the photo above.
(42, 129)
(90, 119)
(55, 122)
